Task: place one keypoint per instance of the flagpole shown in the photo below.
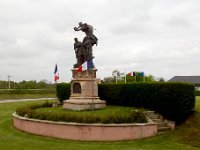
(125, 77)
(143, 77)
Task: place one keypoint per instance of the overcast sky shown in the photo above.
(158, 37)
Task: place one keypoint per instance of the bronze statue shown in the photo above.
(83, 49)
(78, 52)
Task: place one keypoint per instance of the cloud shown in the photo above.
(158, 37)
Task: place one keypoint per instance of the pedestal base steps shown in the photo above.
(84, 103)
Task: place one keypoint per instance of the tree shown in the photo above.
(33, 84)
(118, 76)
(108, 80)
(161, 79)
(42, 85)
(150, 78)
(3, 84)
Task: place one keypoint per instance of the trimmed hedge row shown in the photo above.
(33, 111)
(175, 101)
(63, 91)
(26, 110)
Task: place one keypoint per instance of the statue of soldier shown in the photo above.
(89, 40)
(78, 52)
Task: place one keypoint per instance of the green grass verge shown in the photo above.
(27, 93)
(10, 138)
(190, 130)
(25, 96)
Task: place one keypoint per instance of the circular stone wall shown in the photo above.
(85, 132)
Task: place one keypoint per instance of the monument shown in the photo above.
(84, 88)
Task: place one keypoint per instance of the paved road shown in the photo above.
(22, 100)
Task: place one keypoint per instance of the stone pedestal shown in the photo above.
(84, 92)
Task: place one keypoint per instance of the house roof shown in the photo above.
(189, 79)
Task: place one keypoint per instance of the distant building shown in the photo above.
(195, 80)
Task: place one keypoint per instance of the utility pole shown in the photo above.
(9, 81)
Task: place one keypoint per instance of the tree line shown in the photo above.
(117, 77)
(33, 84)
(120, 77)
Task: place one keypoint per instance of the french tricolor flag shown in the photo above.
(86, 65)
(56, 74)
(131, 74)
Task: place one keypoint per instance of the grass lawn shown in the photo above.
(182, 138)
(190, 131)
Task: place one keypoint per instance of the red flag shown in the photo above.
(80, 69)
(56, 74)
(86, 66)
(56, 77)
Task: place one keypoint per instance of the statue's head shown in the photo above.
(76, 39)
(80, 23)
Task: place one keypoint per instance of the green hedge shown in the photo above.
(175, 101)
(63, 91)
(112, 115)
(26, 110)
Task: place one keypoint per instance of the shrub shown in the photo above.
(175, 101)
(28, 110)
(35, 111)
(63, 91)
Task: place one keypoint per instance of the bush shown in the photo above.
(63, 91)
(175, 101)
(25, 110)
(35, 111)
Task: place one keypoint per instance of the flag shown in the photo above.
(56, 74)
(141, 74)
(131, 74)
(86, 65)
